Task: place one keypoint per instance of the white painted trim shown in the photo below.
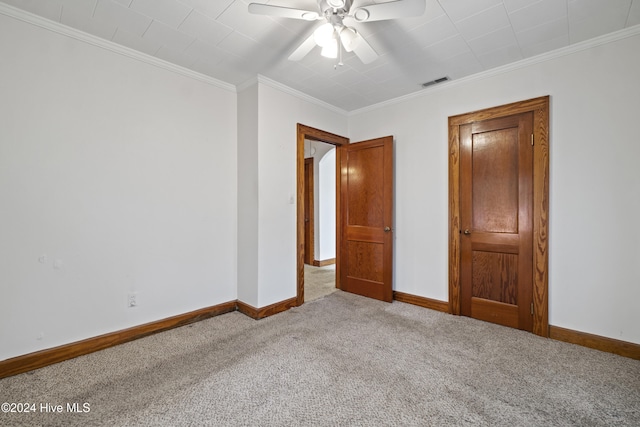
(558, 53)
(252, 81)
(276, 85)
(64, 30)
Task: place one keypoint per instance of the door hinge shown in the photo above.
(532, 309)
(532, 140)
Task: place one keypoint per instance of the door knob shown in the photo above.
(387, 229)
(467, 232)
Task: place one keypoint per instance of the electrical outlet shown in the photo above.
(132, 300)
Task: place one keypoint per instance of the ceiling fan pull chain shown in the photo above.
(340, 63)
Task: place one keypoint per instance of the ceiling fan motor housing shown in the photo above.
(335, 20)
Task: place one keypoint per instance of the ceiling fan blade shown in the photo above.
(363, 50)
(303, 49)
(390, 10)
(283, 12)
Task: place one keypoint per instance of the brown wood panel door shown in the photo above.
(366, 207)
(496, 220)
(309, 226)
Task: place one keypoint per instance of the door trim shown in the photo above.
(540, 109)
(304, 133)
(309, 196)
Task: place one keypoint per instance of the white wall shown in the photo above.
(248, 195)
(121, 172)
(326, 206)
(594, 283)
(279, 112)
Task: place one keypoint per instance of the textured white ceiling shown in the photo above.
(453, 38)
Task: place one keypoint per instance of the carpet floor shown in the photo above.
(341, 360)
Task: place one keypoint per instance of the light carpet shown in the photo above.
(341, 360)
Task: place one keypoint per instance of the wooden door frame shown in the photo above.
(540, 109)
(310, 195)
(313, 134)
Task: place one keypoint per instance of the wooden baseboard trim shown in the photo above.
(42, 358)
(432, 304)
(270, 310)
(247, 310)
(610, 345)
(324, 262)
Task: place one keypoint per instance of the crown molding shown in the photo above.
(294, 92)
(73, 33)
(252, 81)
(558, 53)
(62, 29)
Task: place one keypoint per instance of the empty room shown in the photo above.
(319, 212)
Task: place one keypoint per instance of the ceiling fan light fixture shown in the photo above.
(349, 38)
(310, 16)
(323, 35)
(361, 14)
(330, 50)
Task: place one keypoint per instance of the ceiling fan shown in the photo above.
(336, 33)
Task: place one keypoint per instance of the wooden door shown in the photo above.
(496, 220)
(365, 236)
(309, 226)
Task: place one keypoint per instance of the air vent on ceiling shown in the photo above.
(435, 82)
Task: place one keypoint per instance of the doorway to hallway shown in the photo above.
(305, 136)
